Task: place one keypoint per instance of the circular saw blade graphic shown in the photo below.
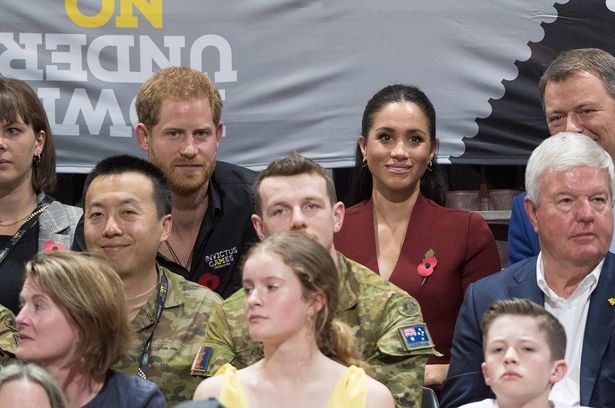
(516, 124)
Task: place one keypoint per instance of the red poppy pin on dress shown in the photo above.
(425, 269)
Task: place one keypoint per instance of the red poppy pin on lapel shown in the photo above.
(50, 246)
(425, 269)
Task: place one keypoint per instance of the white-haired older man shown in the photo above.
(569, 180)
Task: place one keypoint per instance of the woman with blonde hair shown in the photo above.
(310, 358)
(73, 324)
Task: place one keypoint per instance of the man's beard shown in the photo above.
(184, 184)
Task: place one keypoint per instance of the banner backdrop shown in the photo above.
(296, 74)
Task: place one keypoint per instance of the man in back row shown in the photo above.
(578, 95)
(295, 193)
(180, 128)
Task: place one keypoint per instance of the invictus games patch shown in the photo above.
(415, 336)
(222, 259)
(201, 361)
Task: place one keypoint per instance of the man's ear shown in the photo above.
(258, 226)
(219, 133)
(142, 136)
(483, 368)
(167, 224)
(530, 209)
(558, 372)
(338, 215)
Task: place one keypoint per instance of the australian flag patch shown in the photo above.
(415, 336)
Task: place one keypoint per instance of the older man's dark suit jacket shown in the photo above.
(465, 382)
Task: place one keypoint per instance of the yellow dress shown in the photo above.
(350, 391)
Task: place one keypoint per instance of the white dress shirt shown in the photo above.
(572, 314)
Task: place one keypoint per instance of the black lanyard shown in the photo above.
(163, 289)
(29, 222)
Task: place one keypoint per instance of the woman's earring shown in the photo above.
(36, 159)
(364, 162)
(430, 164)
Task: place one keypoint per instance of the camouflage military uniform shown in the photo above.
(8, 336)
(377, 311)
(177, 337)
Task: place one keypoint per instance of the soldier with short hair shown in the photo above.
(296, 193)
(127, 207)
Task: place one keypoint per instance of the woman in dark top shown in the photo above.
(430, 251)
(30, 221)
(73, 324)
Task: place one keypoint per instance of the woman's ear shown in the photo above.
(318, 302)
(434, 148)
(362, 144)
(39, 143)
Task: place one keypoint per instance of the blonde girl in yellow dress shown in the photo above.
(310, 359)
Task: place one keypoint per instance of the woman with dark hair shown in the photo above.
(73, 324)
(30, 220)
(430, 251)
(311, 359)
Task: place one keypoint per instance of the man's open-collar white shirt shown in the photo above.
(572, 314)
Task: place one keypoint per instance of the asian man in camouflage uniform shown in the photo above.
(127, 214)
(295, 193)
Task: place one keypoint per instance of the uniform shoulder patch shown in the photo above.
(415, 336)
(409, 308)
(201, 360)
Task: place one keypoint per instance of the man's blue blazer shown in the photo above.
(465, 381)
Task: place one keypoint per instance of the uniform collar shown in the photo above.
(349, 286)
(175, 297)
